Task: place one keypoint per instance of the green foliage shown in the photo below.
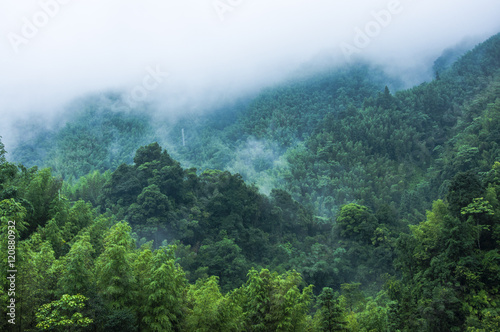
(225, 260)
(164, 308)
(209, 310)
(88, 188)
(113, 268)
(356, 222)
(123, 187)
(142, 267)
(77, 268)
(35, 280)
(2, 152)
(273, 302)
(463, 189)
(152, 206)
(10, 210)
(331, 314)
(64, 314)
(340, 166)
(447, 270)
(148, 154)
(42, 193)
(478, 207)
(93, 136)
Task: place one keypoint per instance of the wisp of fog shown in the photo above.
(193, 54)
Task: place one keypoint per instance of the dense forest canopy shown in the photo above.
(333, 202)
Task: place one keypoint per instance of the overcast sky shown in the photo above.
(53, 51)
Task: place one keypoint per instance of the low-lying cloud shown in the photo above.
(52, 51)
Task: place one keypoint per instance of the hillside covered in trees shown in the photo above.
(337, 201)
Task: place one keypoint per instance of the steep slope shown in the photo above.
(329, 139)
(92, 136)
(401, 149)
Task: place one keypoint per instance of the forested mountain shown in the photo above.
(93, 135)
(327, 203)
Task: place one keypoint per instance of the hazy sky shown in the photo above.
(55, 50)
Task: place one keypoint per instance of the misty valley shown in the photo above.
(337, 200)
